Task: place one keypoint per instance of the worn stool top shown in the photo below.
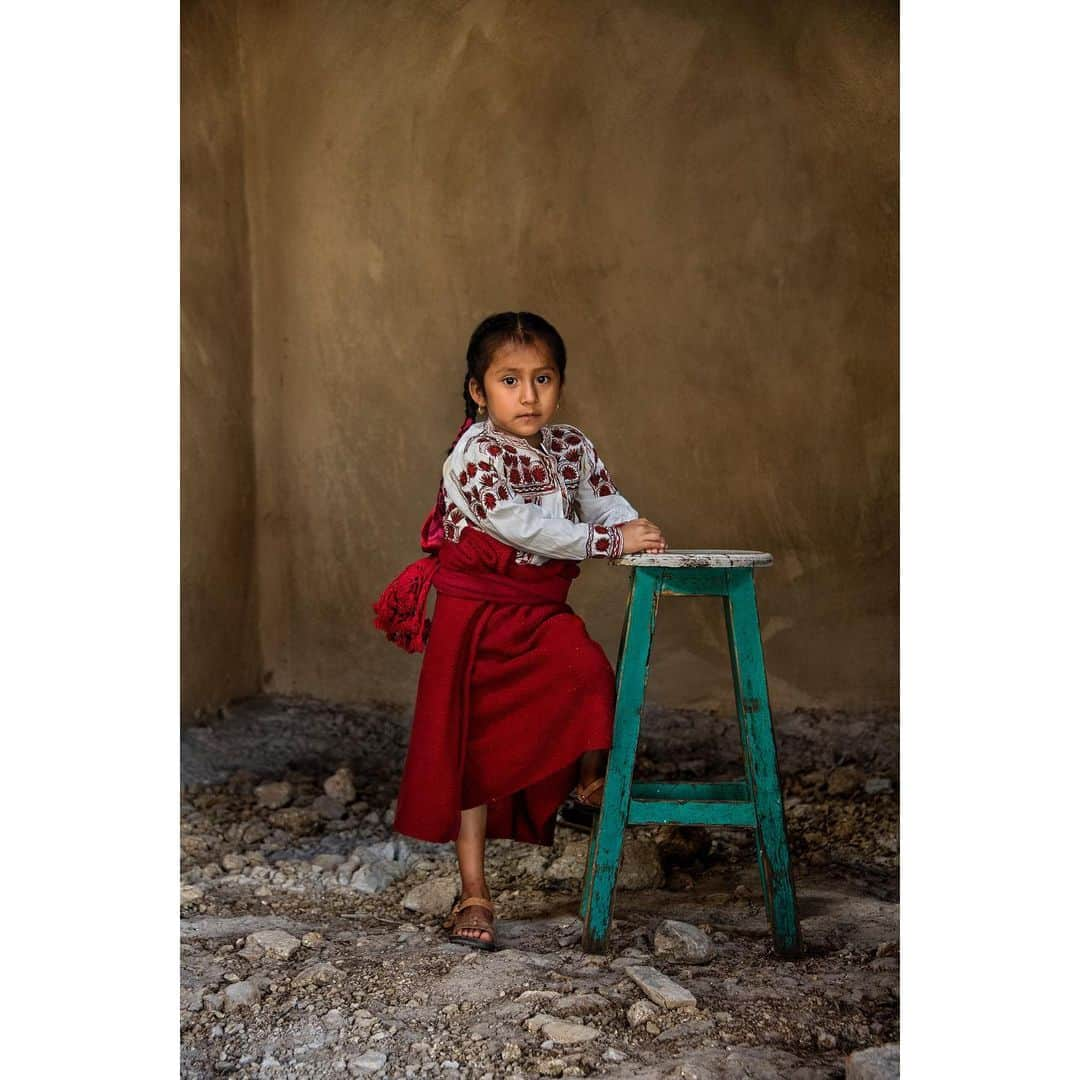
(698, 557)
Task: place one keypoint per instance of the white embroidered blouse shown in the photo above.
(552, 502)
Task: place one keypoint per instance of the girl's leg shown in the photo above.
(592, 766)
(470, 853)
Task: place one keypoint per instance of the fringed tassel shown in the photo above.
(399, 612)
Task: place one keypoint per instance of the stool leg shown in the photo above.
(605, 844)
(759, 754)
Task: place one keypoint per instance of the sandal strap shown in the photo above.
(471, 901)
(473, 920)
(588, 789)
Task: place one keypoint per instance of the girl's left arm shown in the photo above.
(598, 500)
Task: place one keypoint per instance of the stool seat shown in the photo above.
(698, 557)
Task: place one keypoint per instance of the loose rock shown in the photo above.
(241, 995)
(435, 896)
(641, 1012)
(277, 944)
(371, 1062)
(561, 1031)
(845, 780)
(683, 942)
(340, 786)
(328, 808)
(659, 988)
(274, 794)
(875, 1063)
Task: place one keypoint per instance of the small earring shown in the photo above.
(558, 405)
(481, 412)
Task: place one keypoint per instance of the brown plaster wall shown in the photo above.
(701, 196)
(218, 635)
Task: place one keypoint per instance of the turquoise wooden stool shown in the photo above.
(755, 802)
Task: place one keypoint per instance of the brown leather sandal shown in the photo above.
(581, 795)
(579, 810)
(462, 919)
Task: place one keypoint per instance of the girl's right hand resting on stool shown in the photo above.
(641, 535)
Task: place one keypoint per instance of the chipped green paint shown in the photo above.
(754, 803)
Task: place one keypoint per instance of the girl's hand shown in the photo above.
(641, 535)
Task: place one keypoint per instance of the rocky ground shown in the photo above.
(311, 940)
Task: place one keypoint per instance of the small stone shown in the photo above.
(581, 1004)
(652, 1028)
(888, 948)
(241, 995)
(297, 820)
(611, 1054)
(845, 780)
(826, 1041)
(328, 808)
(191, 999)
(551, 1067)
(329, 862)
(318, 974)
(376, 876)
(659, 988)
(274, 794)
(640, 1012)
(370, 1062)
(561, 1031)
(333, 1019)
(536, 1022)
(252, 952)
(688, 1029)
(312, 939)
(511, 1052)
(277, 944)
(875, 1063)
(877, 785)
(340, 786)
(683, 942)
(384, 850)
(232, 861)
(537, 995)
(189, 894)
(434, 896)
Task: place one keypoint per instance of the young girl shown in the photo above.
(515, 701)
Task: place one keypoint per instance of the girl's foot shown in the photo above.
(472, 922)
(581, 806)
(589, 795)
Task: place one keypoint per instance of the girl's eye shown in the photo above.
(510, 379)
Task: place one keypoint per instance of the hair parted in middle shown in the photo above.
(509, 328)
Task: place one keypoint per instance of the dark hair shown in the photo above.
(508, 327)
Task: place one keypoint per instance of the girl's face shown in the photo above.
(521, 391)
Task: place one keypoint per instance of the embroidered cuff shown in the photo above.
(605, 541)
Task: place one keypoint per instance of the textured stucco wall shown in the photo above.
(218, 637)
(701, 196)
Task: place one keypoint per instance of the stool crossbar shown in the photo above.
(755, 802)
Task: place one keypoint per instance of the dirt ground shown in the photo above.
(311, 940)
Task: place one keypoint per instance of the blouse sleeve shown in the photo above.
(476, 473)
(598, 500)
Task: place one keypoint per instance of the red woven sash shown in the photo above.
(500, 589)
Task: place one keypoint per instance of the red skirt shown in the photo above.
(512, 691)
